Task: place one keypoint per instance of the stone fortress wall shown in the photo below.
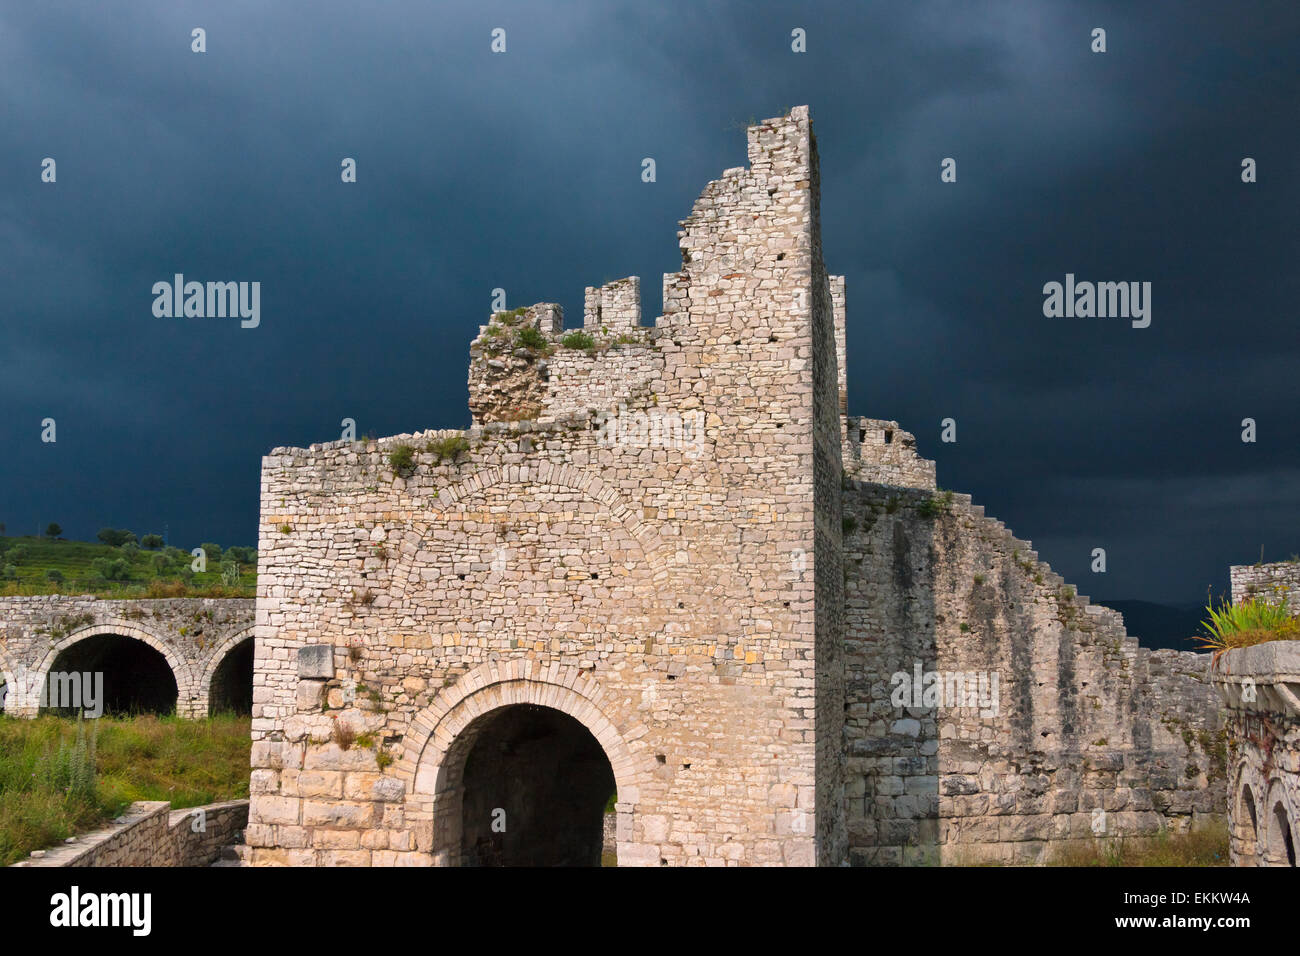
(678, 537)
(649, 591)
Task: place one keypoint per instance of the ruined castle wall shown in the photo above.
(1087, 735)
(664, 596)
(1275, 583)
(194, 634)
(881, 452)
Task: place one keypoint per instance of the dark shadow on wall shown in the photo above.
(891, 768)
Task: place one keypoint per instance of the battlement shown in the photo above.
(614, 307)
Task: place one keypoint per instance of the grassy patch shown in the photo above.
(60, 777)
(1204, 846)
(578, 340)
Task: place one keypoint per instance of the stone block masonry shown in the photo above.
(193, 635)
(1260, 687)
(708, 630)
(150, 833)
(667, 602)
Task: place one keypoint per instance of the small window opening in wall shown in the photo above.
(686, 766)
(889, 435)
(660, 758)
(779, 255)
(662, 861)
(461, 576)
(862, 435)
(786, 603)
(771, 338)
(594, 575)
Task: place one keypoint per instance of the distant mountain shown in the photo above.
(1160, 625)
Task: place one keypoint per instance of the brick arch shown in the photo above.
(438, 733)
(187, 691)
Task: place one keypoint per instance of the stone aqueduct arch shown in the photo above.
(193, 676)
(1250, 811)
(440, 737)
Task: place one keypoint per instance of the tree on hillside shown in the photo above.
(115, 537)
(152, 542)
(211, 551)
(52, 530)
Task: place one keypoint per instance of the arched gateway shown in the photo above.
(515, 767)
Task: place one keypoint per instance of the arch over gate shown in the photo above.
(187, 689)
(435, 745)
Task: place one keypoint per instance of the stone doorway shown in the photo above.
(534, 787)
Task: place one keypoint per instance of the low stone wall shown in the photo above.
(150, 833)
(1260, 686)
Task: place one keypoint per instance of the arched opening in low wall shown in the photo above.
(1246, 820)
(524, 785)
(231, 687)
(110, 674)
(1281, 841)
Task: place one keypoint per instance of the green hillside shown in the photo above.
(131, 569)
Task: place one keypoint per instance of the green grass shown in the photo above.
(1204, 846)
(75, 562)
(1247, 623)
(48, 794)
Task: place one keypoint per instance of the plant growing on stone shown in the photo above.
(402, 460)
(578, 340)
(529, 337)
(449, 448)
(343, 735)
(1247, 623)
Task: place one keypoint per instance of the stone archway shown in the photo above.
(1279, 847)
(1245, 820)
(8, 679)
(441, 740)
(217, 671)
(187, 692)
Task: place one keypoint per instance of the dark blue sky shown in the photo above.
(522, 170)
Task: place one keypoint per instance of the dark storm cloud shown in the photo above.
(522, 171)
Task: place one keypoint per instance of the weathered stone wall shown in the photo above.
(665, 596)
(881, 452)
(150, 833)
(1083, 722)
(1260, 686)
(1275, 583)
(193, 634)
